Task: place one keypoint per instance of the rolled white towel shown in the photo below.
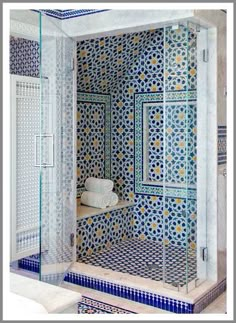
(98, 185)
(114, 199)
(94, 199)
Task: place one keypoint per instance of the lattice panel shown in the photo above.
(27, 107)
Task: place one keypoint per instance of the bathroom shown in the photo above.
(131, 102)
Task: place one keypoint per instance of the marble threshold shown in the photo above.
(144, 284)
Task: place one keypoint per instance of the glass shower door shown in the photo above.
(55, 153)
(180, 198)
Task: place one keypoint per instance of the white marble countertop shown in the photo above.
(53, 298)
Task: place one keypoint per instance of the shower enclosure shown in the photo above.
(43, 218)
(168, 122)
(169, 161)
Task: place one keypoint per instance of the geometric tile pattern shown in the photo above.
(92, 306)
(176, 140)
(222, 145)
(180, 59)
(69, 13)
(167, 222)
(177, 144)
(130, 67)
(100, 232)
(24, 57)
(104, 62)
(93, 137)
(134, 294)
(145, 259)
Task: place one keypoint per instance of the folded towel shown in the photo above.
(98, 185)
(113, 199)
(94, 199)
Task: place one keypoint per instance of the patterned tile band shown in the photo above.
(151, 104)
(222, 145)
(133, 294)
(70, 13)
(29, 264)
(92, 306)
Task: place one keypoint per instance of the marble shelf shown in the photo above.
(84, 211)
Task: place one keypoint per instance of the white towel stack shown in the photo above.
(99, 193)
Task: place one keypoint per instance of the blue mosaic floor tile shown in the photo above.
(145, 259)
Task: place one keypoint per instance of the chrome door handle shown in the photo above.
(50, 148)
(224, 173)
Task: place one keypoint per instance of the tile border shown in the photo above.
(137, 295)
(29, 264)
(69, 13)
(139, 186)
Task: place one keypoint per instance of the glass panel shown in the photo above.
(202, 128)
(57, 194)
(177, 111)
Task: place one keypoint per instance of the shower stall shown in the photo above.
(137, 106)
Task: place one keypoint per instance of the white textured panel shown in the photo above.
(25, 108)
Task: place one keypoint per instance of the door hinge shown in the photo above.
(205, 55)
(204, 253)
(72, 239)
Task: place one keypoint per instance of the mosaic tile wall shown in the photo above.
(100, 232)
(124, 66)
(93, 137)
(24, 57)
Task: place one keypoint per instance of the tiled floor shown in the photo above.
(145, 259)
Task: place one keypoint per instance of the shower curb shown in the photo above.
(147, 298)
(133, 294)
(137, 295)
